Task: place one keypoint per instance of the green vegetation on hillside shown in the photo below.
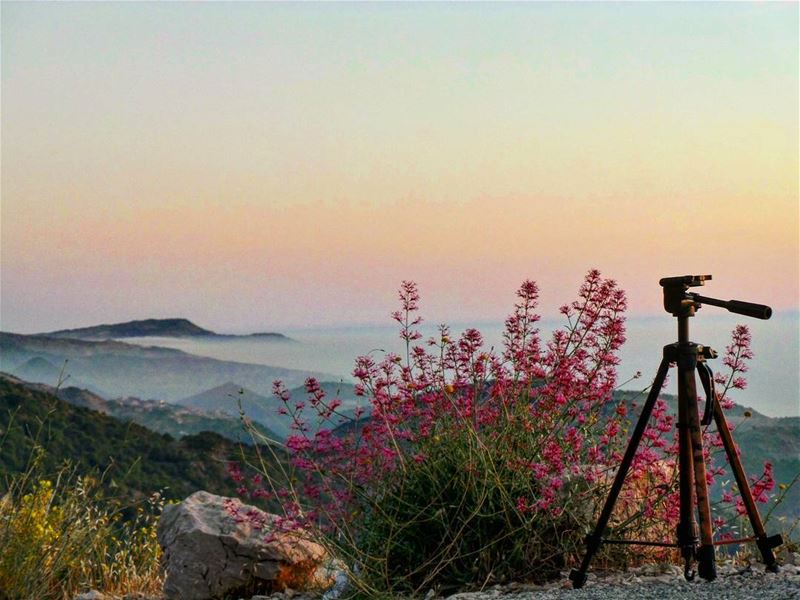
(156, 415)
(136, 460)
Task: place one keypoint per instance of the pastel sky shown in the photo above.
(263, 166)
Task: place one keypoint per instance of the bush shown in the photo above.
(60, 536)
(473, 466)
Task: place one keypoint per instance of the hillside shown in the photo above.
(138, 460)
(228, 397)
(40, 369)
(120, 369)
(180, 421)
(150, 328)
(156, 415)
(759, 437)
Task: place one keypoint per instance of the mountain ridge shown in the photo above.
(125, 369)
(172, 327)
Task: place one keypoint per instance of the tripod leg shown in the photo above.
(687, 526)
(687, 397)
(593, 541)
(765, 543)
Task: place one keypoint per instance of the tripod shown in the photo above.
(689, 357)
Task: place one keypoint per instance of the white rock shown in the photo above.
(340, 586)
(208, 553)
(91, 595)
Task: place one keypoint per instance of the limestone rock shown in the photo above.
(91, 595)
(214, 547)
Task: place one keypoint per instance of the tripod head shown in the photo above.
(683, 303)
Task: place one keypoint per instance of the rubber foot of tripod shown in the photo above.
(773, 568)
(578, 578)
(707, 570)
(706, 565)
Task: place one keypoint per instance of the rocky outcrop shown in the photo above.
(216, 547)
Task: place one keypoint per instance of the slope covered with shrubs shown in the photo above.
(136, 461)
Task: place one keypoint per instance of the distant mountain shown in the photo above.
(151, 328)
(226, 399)
(41, 370)
(156, 415)
(180, 421)
(120, 369)
(346, 392)
(138, 460)
(265, 410)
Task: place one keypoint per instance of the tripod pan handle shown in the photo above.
(749, 309)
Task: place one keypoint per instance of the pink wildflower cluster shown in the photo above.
(736, 356)
(546, 407)
(737, 353)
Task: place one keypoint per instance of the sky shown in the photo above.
(266, 166)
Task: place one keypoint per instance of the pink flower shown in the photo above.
(543, 408)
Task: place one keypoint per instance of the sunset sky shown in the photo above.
(266, 166)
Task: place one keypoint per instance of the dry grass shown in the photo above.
(60, 535)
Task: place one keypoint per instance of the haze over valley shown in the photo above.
(114, 368)
(188, 379)
(773, 385)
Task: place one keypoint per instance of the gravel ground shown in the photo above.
(732, 583)
(650, 582)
